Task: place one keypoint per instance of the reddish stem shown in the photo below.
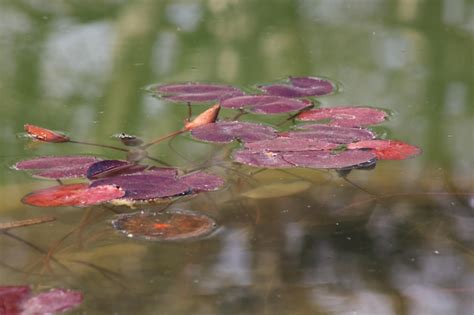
(170, 135)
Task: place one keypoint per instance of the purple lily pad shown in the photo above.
(59, 167)
(290, 144)
(196, 92)
(260, 159)
(324, 159)
(200, 181)
(161, 183)
(345, 116)
(170, 225)
(226, 131)
(146, 185)
(265, 104)
(108, 168)
(331, 133)
(300, 87)
(55, 300)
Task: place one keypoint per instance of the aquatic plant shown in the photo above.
(337, 138)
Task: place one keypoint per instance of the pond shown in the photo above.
(396, 238)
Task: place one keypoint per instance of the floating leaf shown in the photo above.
(260, 159)
(11, 298)
(277, 190)
(387, 149)
(172, 225)
(195, 92)
(324, 159)
(226, 131)
(108, 168)
(265, 104)
(46, 135)
(53, 301)
(300, 87)
(59, 167)
(78, 195)
(331, 133)
(206, 117)
(290, 144)
(345, 116)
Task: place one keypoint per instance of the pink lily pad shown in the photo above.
(387, 149)
(11, 298)
(345, 116)
(58, 167)
(108, 168)
(290, 144)
(331, 133)
(194, 92)
(266, 104)
(53, 301)
(260, 159)
(227, 131)
(324, 159)
(300, 87)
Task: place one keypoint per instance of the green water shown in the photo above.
(406, 248)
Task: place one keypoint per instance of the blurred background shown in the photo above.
(81, 66)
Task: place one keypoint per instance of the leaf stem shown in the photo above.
(170, 135)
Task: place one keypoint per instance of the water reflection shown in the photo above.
(80, 66)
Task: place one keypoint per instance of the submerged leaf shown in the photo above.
(46, 135)
(58, 167)
(226, 131)
(345, 116)
(277, 190)
(387, 149)
(171, 225)
(53, 301)
(266, 104)
(77, 195)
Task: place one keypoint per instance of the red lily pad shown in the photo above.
(227, 131)
(43, 134)
(332, 134)
(290, 144)
(261, 159)
(345, 116)
(324, 159)
(300, 87)
(171, 225)
(108, 168)
(77, 195)
(194, 92)
(53, 301)
(11, 298)
(387, 149)
(201, 181)
(59, 167)
(266, 104)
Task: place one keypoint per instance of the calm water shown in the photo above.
(407, 247)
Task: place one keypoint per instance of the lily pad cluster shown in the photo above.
(335, 137)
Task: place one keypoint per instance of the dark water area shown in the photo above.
(398, 239)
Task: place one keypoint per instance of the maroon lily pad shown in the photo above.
(290, 144)
(265, 104)
(345, 116)
(77, 195)
(11, 298)
(171, 225)
(227, 131)
(59, 167)
(300, 87)
(387, 149)
(260, 159)
(194, 92)
(324, 159)
(331, 133)
(108, 168)
(53, 301)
